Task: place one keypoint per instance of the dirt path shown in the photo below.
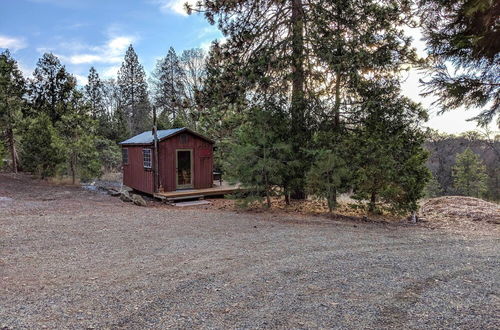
(76, 259)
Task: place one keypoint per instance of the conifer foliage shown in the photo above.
(463, 39)
(133, 90)
(469, 174)
(12, 90)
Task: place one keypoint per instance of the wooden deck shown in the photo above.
(217, 190)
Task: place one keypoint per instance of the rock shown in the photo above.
(114, 192)
(138, 200)
(125, 196)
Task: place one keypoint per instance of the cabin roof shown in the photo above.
(147, 137)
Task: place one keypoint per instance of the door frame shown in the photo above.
(184, 186)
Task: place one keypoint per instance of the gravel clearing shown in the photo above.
(74, 259)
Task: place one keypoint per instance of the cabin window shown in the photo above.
(125, 156)
(146, 158)
(184, 138)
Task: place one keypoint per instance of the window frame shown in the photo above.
(125, 152)
(148, 151)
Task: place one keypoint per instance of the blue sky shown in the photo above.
(84, 33)
(92, 32)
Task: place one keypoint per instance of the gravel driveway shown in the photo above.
(73, 259)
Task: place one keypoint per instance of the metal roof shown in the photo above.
(147, 137)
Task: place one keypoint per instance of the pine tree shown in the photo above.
(43, 149)
(133, 93)
(222, 99)
(12, 91)
(50, 88)
(387, 156)
(469, 174)
(80, 146)
(169, 91)
(317, 52)
(329, 175)
(433, 188)
(258, 158)
(95, 97)
(463, 34)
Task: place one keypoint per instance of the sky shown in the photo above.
(85, 33)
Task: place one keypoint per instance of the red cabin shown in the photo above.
(185, 161)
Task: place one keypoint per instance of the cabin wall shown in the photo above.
(202, 153)
(134, 174)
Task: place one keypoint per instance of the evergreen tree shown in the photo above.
(133, 93)
(463, 34)
(12, 91)
(433, 188)
(94, 94)
(43, 149)
(51, 88)
(222, 99)
(78, 132)
(258, 159)
(469, 174)
(168, 88)
(310, 50)
(329, 175)
(387, 150)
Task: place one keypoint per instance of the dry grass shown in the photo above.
(309, 206)
(459, 212)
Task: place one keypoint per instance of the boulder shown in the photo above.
(138, 200)
(125, 196)
(113, 192)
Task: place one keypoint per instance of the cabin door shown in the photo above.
(184, 168)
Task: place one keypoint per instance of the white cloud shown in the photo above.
(111, 72)
(109, 53)
(174, 6)
(12, 43)
(81, 80)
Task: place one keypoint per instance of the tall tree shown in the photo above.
(78, 132)
(469, 174)
(133, 93)
(168, 88)
(51, 88)
(94, 95)
(12, 90)
(387, 154)
(463, 34)
(310, 50)
(259, 156)
(95, 98)
(43, 150)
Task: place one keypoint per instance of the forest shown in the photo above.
(302, 97)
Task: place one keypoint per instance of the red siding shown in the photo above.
(135, 176)
(202, 161)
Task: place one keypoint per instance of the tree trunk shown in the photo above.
(373, 200)
(332, 200)
(298, 100)
(73, 170)
(337, 101)
(287, 197)
(12, 147)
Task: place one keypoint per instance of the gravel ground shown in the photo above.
(75, 259)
